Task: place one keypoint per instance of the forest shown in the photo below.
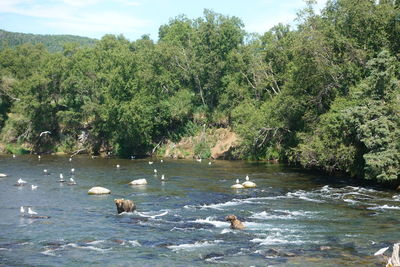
(324, 94)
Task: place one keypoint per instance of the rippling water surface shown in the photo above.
(291, 218)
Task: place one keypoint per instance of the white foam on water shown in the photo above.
(351, 201)
(286, 215)
(279, 239)
(153, 214)
(304, 196)
(73, 245)
(211, 220)
(194, 246)
(385, 207)
(134, 243)
(228, 230)
(96, 242)
(49, 252)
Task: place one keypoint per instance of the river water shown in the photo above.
(292, 218)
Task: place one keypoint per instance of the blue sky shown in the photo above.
(133, 18)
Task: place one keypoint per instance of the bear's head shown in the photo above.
(119, 202)
(231, 218)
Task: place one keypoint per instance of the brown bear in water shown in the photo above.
(124, 205)
(235, 223)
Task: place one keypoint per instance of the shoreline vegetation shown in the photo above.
(323, 95)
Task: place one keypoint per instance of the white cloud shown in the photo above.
(80, 17)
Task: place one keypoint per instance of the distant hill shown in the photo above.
(54, 43)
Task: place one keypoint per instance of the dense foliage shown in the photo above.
(325, 95)
(54, 43)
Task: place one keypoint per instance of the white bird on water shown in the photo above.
(73, 170)
(247, 178)
(61, 178)
(151, 162)
(161, 161)
(39, 157)
(45, 172)
(14, 156)
(72, 181)
(209, 163)
(45, 132)
(162, 177)
(21, 182)
(118, 166)
(155, 171)
(34, 187)
(31, 212)
(21, 209)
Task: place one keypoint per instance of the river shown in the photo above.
(292, 218)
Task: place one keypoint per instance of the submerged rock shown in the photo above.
(97, 190)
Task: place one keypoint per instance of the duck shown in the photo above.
(248, 183)
(237, 185)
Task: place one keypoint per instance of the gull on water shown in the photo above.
(34, 187)
(14, 156)
(45, 172)
(61, 178)
(21, 209)
(162, 177)
(151, 162)
(118, 166)
(70, 159)
(72, 170)
(71, 181)
(21, 182)
(31, 212)
(161, 161)
(155, 171)
(39, 157)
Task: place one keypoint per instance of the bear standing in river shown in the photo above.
(235, 223)
(124, 205)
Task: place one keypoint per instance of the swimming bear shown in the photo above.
(235, 223)
(124, 205)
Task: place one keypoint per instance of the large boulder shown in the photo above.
(97, 190)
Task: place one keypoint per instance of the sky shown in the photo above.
(134, 18)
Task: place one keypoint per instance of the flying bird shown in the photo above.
(43, 133)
